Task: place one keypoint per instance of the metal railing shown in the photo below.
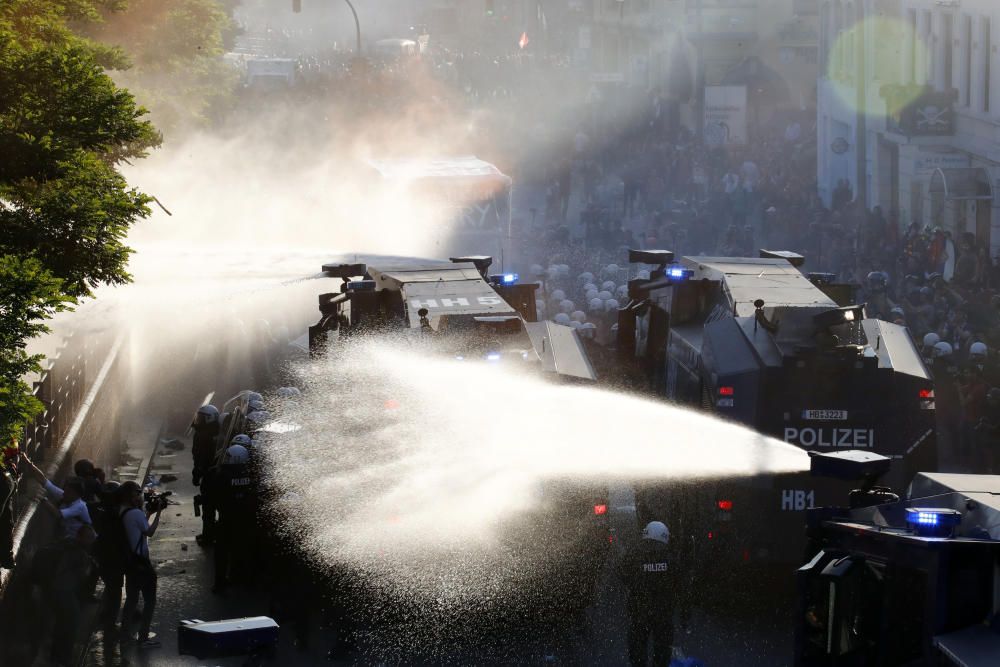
(61, 388)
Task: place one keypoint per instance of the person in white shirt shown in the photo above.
(68, 501)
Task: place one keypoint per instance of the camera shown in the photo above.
(156, 501)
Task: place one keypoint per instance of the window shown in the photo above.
(947, 49)
(967, 62)
(986, 48)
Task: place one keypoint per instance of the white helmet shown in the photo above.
(236, 455)
(558, 295)
(596, 304)
(562, 318)
(977, 349)
(579, 315)
(207, 414)
(611, 304)
(604, 295)
(242, 440)
(588, 329)
(288, 392)
(657, 531)
(608, 285)
(592, 294)
(567, 306)
(942, 349)
(931, 339)
(575, 324)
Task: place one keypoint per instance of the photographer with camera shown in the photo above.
(140, 576)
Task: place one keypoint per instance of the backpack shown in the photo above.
(111, 547)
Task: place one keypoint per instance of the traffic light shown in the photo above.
(296, 6)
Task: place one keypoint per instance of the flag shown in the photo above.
(523, 42)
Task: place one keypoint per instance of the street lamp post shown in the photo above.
(357, 24)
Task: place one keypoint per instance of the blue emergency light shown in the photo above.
(493, 356)
(504, 279)
(679, 273)
(932, 521)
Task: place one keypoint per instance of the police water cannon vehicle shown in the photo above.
(457, 304)
(901, 582)
(756, 341)
(562, 537)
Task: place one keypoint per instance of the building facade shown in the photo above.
(909, 110)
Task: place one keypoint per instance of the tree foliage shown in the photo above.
(175, 48)
(65, 210)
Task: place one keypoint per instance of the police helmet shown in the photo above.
(585, 277)
(897, 312)
(236, 455)
(592, 294)
(255, 404)
(643, 274)
(977, 349)
(562, 318)
(567, 306)
(259, 417)
(611, 270)
(575, 324)
(288, 392)
(579, 316)
(876, 280)
(931, 339)
(562, 269)
(253, 395)
(242, 440)
(604, 295)
(608, 285)
(942, 349)
(540, 305)
(589, 286)
(621, 292)
(611, 304)
(558, 295)
(537, 270)
(587, 329)
(596, 304)
(206, 414)
(656, 531)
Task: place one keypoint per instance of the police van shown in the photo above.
(755, 341)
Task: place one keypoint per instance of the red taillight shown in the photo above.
(710, 535)
(926, 393)
(726, 391)
(725, 505)
(600, 509)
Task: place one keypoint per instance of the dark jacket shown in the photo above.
(651, 572)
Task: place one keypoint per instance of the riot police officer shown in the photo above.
(235, 496)
(650, 573)
(204, 444)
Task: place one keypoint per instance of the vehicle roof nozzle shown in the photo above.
(848, 465)
(655, 257)
(793, 258)
(481, 262)
(345, 271)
